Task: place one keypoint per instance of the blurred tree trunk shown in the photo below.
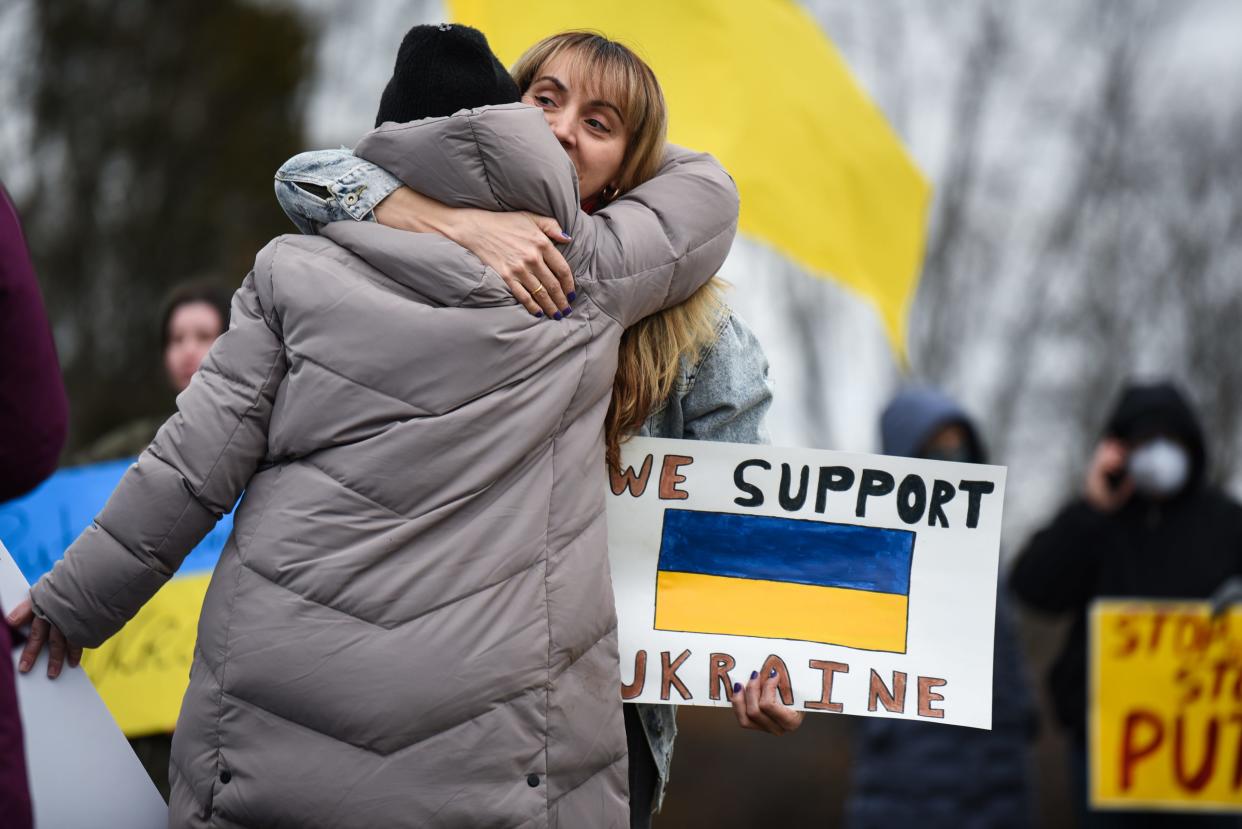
(157, 129)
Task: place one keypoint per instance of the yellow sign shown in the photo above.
(143, 671)
(822, 176)
(1165, 707)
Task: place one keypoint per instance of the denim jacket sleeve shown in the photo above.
(729, 395)
(723, 396)
(322, 186)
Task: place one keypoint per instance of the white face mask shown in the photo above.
(1159, 468)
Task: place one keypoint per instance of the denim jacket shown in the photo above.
(722, 395)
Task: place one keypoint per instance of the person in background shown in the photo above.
(34, 412)
(921, 774)
(194, 315)
(34, 417)
(1147, 525)
(15, 803)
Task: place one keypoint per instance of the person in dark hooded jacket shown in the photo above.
(921, 774)
(1148, 525)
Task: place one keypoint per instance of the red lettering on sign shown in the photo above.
(1134, 749)
(783, 686)
(1156, 627)
(640, 677)
(927, 696)
(718, 675)
(1130, 637)
(894, 701)
(636, 483)
(825, 703)
(668, 675)
(670, 477)
(1197, 780)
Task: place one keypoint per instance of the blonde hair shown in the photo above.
(651, 350)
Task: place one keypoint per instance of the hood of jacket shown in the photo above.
(508, 160)
(915, 415)
(1146, 410)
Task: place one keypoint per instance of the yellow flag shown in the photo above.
(823, 178)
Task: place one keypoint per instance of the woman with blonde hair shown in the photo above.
(692, 371)
(412, 622)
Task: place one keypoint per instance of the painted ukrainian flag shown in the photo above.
(783, 578)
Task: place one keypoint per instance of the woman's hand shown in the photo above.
(42, 632)
(518, 246)
(758, 706)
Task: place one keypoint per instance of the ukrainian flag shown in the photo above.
(782, 578)
(758, 84)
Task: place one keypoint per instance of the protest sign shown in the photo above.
(1165, 708)
(142, 672)
(82, 772)
(867, 582)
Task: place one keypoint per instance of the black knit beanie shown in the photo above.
(440, 70)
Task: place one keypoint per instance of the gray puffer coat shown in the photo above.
(412, 624)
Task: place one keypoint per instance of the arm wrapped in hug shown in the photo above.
(193, 472)
(648, 250)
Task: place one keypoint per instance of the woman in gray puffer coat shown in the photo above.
(413, 622)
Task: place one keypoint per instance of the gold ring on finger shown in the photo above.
(537, 291)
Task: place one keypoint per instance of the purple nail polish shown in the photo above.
(754, 674)
(572, 296)
(566, 236)
(539, 313)
(568, 311)
(557, 315)
(773, 674)
(737, 687)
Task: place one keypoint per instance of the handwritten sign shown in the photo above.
(143, 671)
(868, 583)
(1165, 707)
(82, 772)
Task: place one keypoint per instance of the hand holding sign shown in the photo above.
(758, 705)
(73, 746)
(860, 584)
(42, 632)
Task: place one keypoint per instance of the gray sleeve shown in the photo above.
(323, 186)
(650, 249)
(191, 474)
(659, 243)
(729, 393)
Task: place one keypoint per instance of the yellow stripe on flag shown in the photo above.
(822, 176)
(781, 610)
(142, 672)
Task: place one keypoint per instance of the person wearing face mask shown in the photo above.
(920, 774)
(1148, 524)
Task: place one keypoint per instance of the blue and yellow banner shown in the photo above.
(823, 177)
(783, 578)
(142, 672)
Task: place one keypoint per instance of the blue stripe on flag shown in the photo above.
(787, 550)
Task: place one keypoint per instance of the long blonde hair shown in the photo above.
(652, 349)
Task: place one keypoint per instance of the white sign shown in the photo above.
(867, 582)
(82, 771)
